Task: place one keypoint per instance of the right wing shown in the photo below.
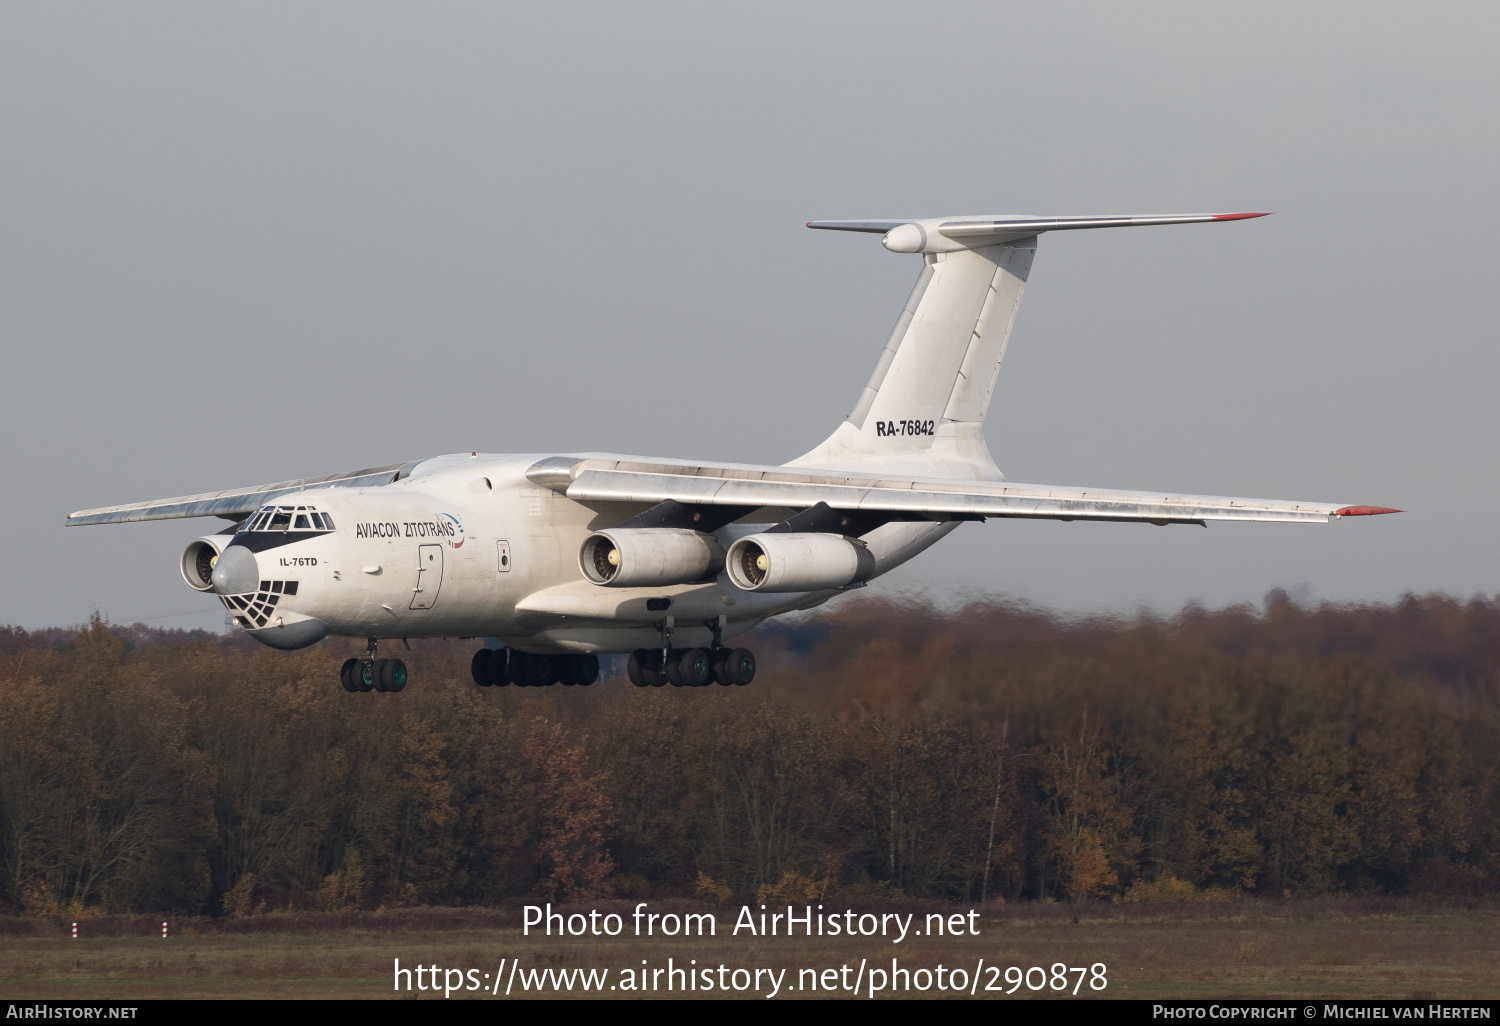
(618, 480)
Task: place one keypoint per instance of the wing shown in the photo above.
(621, 480)
(235, 503)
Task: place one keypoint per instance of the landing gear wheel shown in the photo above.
(693, 668)
(364, 675)
(651, 669)
(348, 675)
(582, 670)
(393, 675)
(537, 671)
(479, 668)
(377, 674)
(720, 659)
(635, 668)
(498, 669)
(645, 668)
(670, 670)
(739, 668)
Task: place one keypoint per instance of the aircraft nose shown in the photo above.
(236, 572)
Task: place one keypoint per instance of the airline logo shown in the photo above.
(444, 527)
(455, 530)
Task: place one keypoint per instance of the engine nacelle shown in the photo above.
(798, 562)
(198, 560)
(644, 557)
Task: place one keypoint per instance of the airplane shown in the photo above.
(554, 559)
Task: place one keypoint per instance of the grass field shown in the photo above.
(1286, 949)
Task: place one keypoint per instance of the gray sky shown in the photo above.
(247, 243)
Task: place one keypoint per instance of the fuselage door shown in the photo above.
(429, 576)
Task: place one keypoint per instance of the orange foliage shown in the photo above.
(989, 751)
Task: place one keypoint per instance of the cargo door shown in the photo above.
(429, 576)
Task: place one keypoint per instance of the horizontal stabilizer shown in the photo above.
(948, 234)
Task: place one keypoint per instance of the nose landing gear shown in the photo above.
(352, 676)
(370, 674)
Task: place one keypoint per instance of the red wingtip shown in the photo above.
(1239, 217)
(1364, 511)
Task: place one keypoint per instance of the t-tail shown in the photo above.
(922, 412)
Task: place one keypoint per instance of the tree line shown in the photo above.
(988, 752)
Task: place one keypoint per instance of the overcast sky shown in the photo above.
(243, 243)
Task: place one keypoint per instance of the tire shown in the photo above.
(693, 668)
(721, 669)
(740, 666)
(377, 674)
(669, 670)
(585, 669)
(498, 669)
(364, 676)
(479, 667)
(393, 675)
(651, 669)
(635, 668)
(347, 675)
(537, 671)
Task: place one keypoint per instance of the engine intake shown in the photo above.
(646, 557)
(198, 561)
(798, 562)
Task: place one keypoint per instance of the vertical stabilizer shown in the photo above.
(922, 413)
(923, 409)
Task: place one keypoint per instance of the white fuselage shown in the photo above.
(467, 546)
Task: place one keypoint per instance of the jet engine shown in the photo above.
(798, 562)
(198, 560)
(643, 557)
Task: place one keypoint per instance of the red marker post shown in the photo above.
(163, 931)
(75, 931)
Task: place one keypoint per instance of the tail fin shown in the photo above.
(922, 412)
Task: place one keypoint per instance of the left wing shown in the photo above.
(233, 503)
(622, 480)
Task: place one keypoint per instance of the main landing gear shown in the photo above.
(366, 673)
(497, 667)
(691, 667)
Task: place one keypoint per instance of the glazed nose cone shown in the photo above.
(236, 572)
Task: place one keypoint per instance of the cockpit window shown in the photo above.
(287, 518)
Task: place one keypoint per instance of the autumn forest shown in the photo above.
(990, 752)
